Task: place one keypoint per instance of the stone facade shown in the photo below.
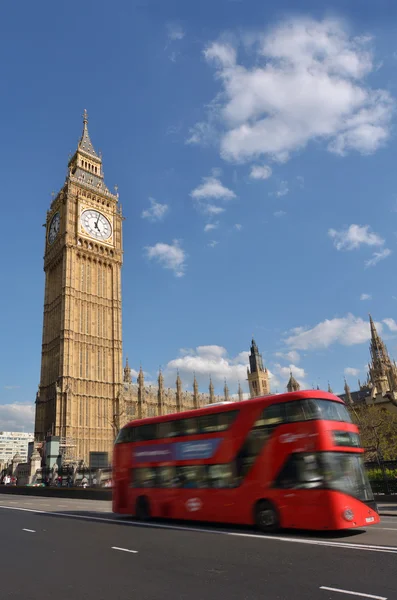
(81, 367)
(138, 400)
(380, 387)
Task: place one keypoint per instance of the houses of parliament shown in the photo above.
(85, 395)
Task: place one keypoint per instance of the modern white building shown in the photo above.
(14, 442)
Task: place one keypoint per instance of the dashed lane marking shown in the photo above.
(125, 550)
(29, 530)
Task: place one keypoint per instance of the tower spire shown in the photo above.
(211, 390)
(226, 392)
(258, 377)
(348, 396)
(85, 144)
(127, 372)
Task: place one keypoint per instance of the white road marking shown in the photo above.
(367, 547)
(125, 550)
(329, 589)
(388, 528)
(29, 530)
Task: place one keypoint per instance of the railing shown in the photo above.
(382, 475)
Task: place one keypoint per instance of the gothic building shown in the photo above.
(138, 400)
(84, 397)
(380, 386)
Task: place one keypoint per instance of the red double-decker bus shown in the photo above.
(285, 461)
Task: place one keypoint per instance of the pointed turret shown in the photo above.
(141, 378)
(195, 392)
(178, 393)
(160, 393)
(382, 373)
(293, 385)
(240, 392)
(160, 379)
(330, 389)
(226, 392)
(178, 382)
(127, 372)
(211, 390)
(348, 396)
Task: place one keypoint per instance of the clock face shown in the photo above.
(96, 224)
(54, 228)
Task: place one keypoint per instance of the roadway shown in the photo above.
(77, 549)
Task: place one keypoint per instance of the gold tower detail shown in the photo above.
(258, 377)
(81, 363)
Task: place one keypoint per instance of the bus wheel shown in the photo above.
(266, 517)
(142, 509)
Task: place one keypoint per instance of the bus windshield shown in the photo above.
(345, 472)
(326, 410)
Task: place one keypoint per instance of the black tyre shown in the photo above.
(266, 517)
(142, 509)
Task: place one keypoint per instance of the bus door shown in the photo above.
(300, 492)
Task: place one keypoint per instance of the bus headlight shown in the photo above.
(348, 514)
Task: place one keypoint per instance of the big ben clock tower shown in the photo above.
(81, 362)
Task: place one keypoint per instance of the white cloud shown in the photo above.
(377, 256)
(301, 181)
(211, 226)
(260, 172)
(156, 211)
(365, 297)
(212, 188)
(238, 226)
(210, 209)
(307, 82)
(12, 387)
(16, 417)
(202, 133)
(347, 331)
(283, 189)
(206, 361)
(169, 256)
(175, 32)
(351, 371)
(392, 325)
(292, 356)
(355, 236)
(279, 213)
(213, 243)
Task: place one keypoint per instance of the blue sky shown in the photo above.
(254, 149)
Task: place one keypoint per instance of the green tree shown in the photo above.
(378, 431)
